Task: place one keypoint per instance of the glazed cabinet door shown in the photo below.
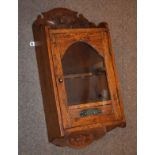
(85, 77)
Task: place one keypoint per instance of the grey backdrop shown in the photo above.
(121, 16)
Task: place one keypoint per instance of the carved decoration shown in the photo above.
(65, 18)
(83, 138)
(80, 140)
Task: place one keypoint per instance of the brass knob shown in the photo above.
(60, 80)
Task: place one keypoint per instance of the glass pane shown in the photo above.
(85, 75)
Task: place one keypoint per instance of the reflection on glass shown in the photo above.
(85, 75)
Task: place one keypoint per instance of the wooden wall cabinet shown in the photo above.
(79, 84)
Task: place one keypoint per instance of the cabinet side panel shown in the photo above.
(49, 99)
(117, 81)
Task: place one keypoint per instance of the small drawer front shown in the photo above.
(89, 112)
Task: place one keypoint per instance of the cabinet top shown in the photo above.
(60, 18)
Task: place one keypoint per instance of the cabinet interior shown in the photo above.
(85, 75)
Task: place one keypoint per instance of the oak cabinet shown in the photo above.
(79, 83)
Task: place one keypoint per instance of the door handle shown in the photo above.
(60, 79)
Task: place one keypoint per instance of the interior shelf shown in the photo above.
(91, 104)
(81, 75)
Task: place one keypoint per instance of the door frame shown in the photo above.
(97, 38)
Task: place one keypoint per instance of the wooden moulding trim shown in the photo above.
(86, 127)
(56, 31)
(121, 123)
(90, 105)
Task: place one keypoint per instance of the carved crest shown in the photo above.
(65, 18)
